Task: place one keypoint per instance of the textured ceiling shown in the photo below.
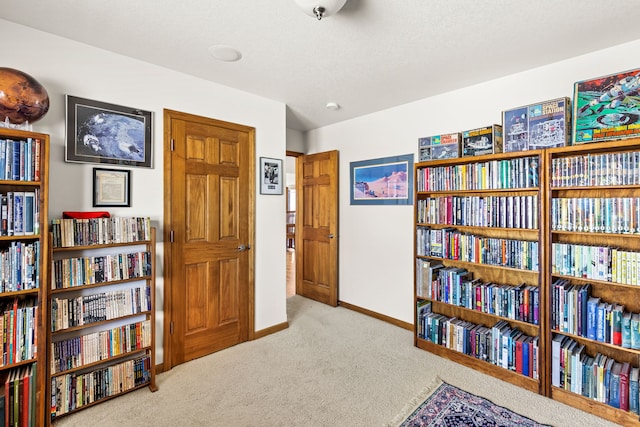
(373, 55)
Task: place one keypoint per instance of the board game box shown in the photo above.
(537, 126)
(607, 108)
(486, 140)
(446, 146)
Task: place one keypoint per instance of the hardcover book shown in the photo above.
(606, 108)
(486, 140)
(445, 146)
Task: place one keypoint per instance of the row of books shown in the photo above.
(592, 170)
(500, 345)
(20, 159)
(596, 215)
(18, 337)
(452, 244)
(488, 211)
(598, 377)
(99, 231)
(97, 346)
(20, 213)
(72, 272)
(20, 267)
(73, 391)
(596, 262)
(515, 173)
(87, 309)
(576, 311)
(18, 405)
(455, 286)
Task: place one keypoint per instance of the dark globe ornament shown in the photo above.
(22, 98)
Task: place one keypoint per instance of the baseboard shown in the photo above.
(159, 368)
(384, 318)
(270, 330)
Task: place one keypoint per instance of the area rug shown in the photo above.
(443, 405)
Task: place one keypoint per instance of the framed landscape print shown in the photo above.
(386, 181)
(98, 132)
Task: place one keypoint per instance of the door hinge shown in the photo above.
(173, 144)
(171, 327)
(171, 236)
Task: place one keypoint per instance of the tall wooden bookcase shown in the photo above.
(479, 284)
(24, 165)
(101, 322)
(588, 275)
(594, 264)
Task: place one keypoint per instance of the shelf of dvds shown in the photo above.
(594, 258)
(102, 311)
(24, 163)
(479, 289)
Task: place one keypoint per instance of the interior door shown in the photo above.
(210, 217)
(317, 227)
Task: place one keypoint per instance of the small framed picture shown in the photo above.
(111, 187)
(271, 176)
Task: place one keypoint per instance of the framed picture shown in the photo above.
(98, 132)
(111, 187)
(386, 181)
(271, 176)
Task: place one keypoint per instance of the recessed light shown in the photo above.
(333, 106)
(225, 53)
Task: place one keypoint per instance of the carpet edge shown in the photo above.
(413, 404)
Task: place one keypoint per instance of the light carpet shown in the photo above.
(331, 367)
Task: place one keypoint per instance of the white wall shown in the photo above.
(376, 242)
(67, 67)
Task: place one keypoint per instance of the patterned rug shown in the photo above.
(444, 405)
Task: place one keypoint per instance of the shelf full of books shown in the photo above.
(24, 162)
(478, 242)
(594, 257)
(102, 311)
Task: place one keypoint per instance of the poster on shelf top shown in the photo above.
(537, 126)
(607, 108)
(445, 146)
(486, 140)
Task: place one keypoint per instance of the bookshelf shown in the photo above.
(24, 163)
(101, 323)
(478, 254)
(594, 264)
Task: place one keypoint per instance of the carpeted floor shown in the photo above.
(331, 367)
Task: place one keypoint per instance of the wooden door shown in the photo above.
(209, 228)
(317, 227)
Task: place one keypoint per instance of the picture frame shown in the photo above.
(111, 187)
(384, 181)
(99, 132)
(271, 175)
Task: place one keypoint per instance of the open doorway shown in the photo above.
(290, 213)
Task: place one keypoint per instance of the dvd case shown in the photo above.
(607, 108)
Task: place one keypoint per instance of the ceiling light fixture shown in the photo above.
(320, 8)
(333, 106)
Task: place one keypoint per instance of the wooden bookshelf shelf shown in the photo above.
(134, 367)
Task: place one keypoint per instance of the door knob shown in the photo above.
(242, 248)
(330, 236)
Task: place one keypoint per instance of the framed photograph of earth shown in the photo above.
(98, 132)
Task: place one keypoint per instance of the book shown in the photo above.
(29, 211)
(626, 330)
(624, 386)
(614, 385)
(634, 376)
